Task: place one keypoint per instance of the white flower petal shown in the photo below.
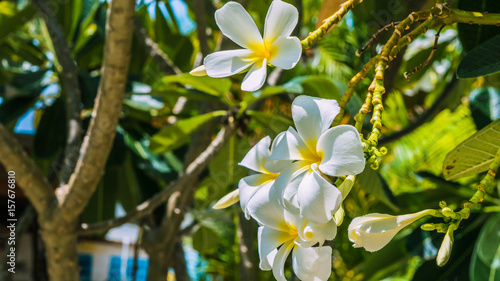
(281, 20)
(235, 22)
(312, 263)
(226, 63)
(286, 52)
(269, 240)
(282, 185)
(267, 261)
(312, 117)
(255, 77)
(290, 148)
(264, 208)
(318, 199)
(311, 233)
(342, 152)
(248, 186)
(279, 261)
(257, 156)
(277, 139)
(228, 200)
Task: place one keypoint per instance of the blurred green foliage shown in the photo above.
(149, 149)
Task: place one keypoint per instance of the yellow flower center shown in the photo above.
(261, 52)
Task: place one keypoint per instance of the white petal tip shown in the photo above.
(199, 71)
(228, 200)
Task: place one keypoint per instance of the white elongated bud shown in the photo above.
(374, 231)
(339, 216)
(445, 250)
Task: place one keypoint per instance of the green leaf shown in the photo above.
(175, 135)
(472, 35)
(16, 21)
(212, 86)
(473, 155)
(371, 182)
(485, 262)
(224, 169)
(50, 136)
(319, 86)
(205, 240)
(482, 60)
(484, 104)
(277, 123)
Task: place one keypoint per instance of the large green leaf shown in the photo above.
(212, 86)
(485, 262)
(50, 136)
(175, 135)
(482, 60)
(474, 155)
(371, 182)
(277, 123)
(224, 169)
(205, 240)
(484, 105)
(472, 35)
(13, 22)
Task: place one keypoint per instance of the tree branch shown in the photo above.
(201, 28)
(28, 176)
(99, 139)
(159, 57)
(193, 170)
(71, 89)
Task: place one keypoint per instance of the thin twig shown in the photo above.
(71, 88)
(426, 62)
(159, 57)
(375, 37)
(201, 28)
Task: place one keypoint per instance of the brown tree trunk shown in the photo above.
(248, 261)
(60, 251)
(158, 267)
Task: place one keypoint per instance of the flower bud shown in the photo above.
(228, 200)
(445, 250)
(374, 231)
(339, 215)
(428, 227)
(346, 186)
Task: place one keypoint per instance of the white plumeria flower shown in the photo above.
(280, 227)
(277, 47)
(374, 231)
(316, 149)
(248, 186)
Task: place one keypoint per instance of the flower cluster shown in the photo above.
(276, 47)
(291, 195)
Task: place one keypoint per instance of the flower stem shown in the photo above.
(327, 23)
(421, 29)
(459, 16)
(385, 57)
(485, 185)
